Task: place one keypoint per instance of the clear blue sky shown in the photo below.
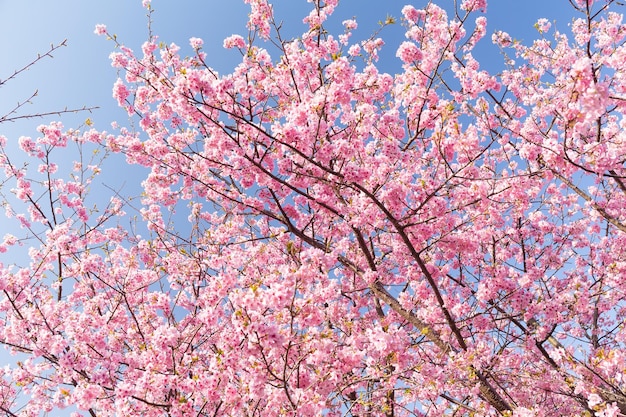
(81, 75)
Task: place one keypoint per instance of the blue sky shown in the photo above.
(81, 75)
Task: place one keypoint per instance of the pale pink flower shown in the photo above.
(502, 39)
(100, 29)
(543, 25)
(408, 52)
(481, 25)
(234, 41)
(411, 14)
(350, 24)
(473, 5)
(118, 60)
(9, 239)
(354, 50)
(120, 92)
(196, 43)
(593, 400)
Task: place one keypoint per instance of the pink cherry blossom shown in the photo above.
(543, 25)
(350, 24)
(100, 29)
(196, 43)
(474, 5)
(408, 52)
(234, 41)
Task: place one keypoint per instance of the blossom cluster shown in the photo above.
(316, 236)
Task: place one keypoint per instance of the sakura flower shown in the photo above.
(543, 25)
(234, 41)
(593, 400)
(411, 14)
(100, 29)
(408, 52)
(473, 5)
(350, 24)
(120, 92)
(196, 43)
(354, 50)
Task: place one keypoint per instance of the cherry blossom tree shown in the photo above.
(317, 237)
